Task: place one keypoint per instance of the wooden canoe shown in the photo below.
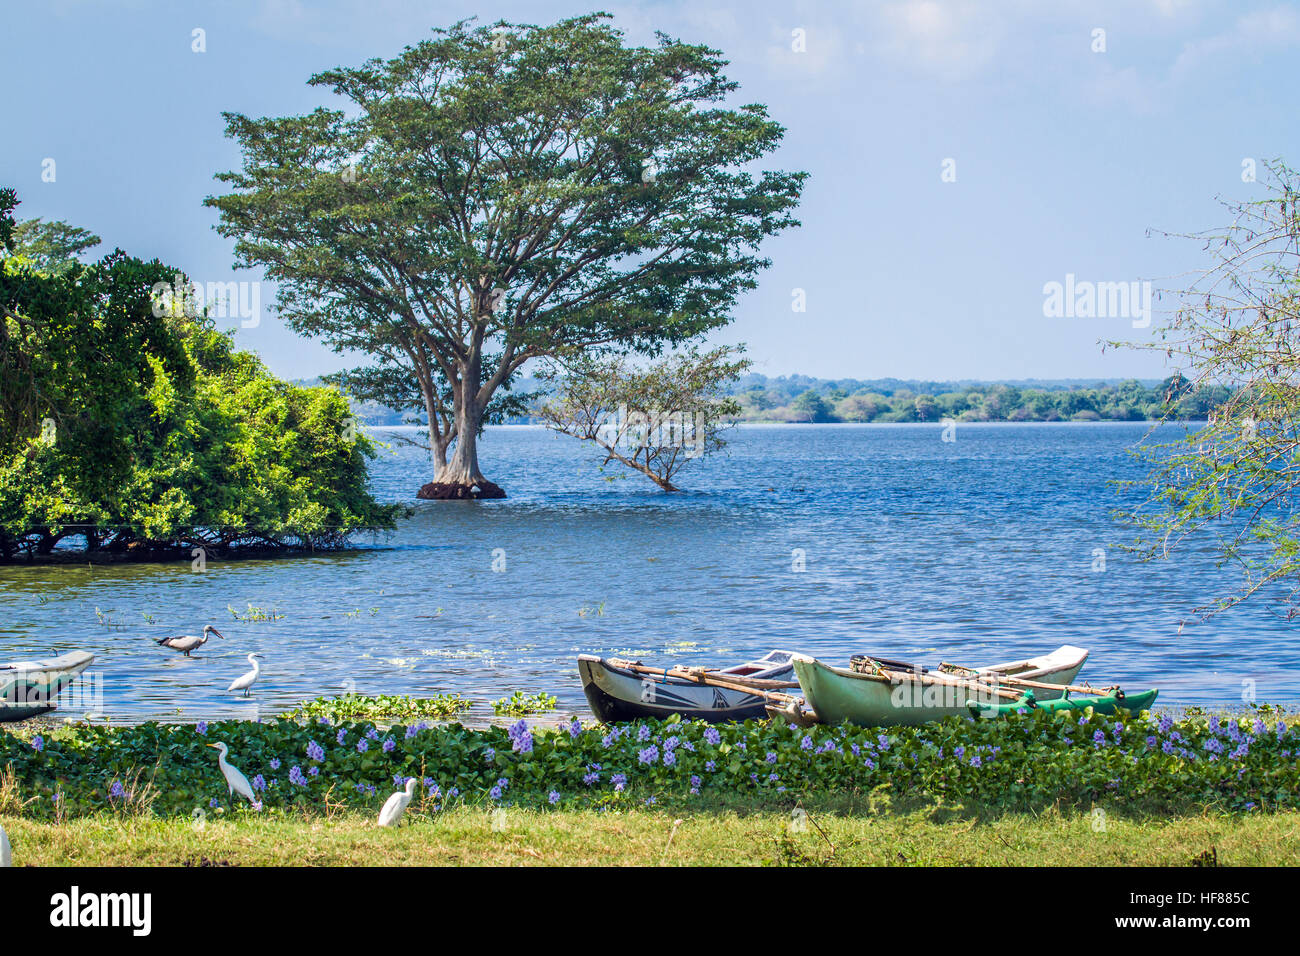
(620, 690)
(906, 698)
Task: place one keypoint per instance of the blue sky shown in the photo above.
(1064, 157)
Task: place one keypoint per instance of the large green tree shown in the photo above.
(499, 194)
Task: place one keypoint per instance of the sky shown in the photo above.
(963, 156)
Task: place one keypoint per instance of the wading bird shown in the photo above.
(396, 805)
(246, 682)
(6, 858)
(190, 642)
(235, 780)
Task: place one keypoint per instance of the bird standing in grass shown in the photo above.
(6, 857)
(396, 805)
(190, 642)
(235, 780)
(246, 682)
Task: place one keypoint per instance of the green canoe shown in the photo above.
(1104, 704)
(835, 694)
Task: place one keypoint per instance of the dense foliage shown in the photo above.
(127, 427)
(1023, 761)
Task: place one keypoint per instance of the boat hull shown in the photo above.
(837, 695)
(617, 695)
(31, 688)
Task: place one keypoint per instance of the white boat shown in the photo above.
(28, 688)
(625, 690)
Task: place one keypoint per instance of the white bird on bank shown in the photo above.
(6, 856)
(246, 682)
(190, 642)
(235, 780)
(396, 805)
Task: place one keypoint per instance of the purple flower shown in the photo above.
(489, 755)
(117, 791)
(342, 736)
(575, 728)
(495, 793)
(695, 781)
(315, 751)
(314, 771)
(648, 755)
(258, 782)
(712, 736)
(806, 743)
(411, 732)
(275, 763)
(643, 733)
(521, 738)
(38, 743)
(590, 778)
(619, 780)
(372, 734)
(389, 744)
(363, 745)
(553, 797)
(670, 758)
(771, 756)
(296, 777)
(201, 726)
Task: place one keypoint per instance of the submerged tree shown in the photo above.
(1236, 481)
(493, 196)
(654, 420)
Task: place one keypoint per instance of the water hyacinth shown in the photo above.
(1025, 761)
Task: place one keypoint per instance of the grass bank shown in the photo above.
(731, 836)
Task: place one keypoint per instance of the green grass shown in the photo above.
(383, 707)
(928, 836)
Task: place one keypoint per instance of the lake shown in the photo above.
(976, 550)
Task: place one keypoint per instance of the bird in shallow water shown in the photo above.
(6, 857)
(235, 780)
(246, 682)
(190, 642)
(396, 805)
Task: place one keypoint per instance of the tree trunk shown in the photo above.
(460, 477)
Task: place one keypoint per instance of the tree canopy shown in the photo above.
(135, 429)
(496, 195)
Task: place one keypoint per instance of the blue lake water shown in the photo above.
(976, 550)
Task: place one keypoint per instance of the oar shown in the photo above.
(1023, 682)
(699, 674)
(897, 677)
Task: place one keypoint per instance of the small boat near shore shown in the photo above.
(876, 693)
(619, 690)
(30, 688)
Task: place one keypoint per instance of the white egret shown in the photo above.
(6, 857)
(190, 642)
(237, 782)
(396, 805)
(248, 680)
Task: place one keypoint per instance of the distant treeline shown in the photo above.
(801, 398)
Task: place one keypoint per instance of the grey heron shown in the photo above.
(396, 805)
(246, 682)
(190, 642)
(235, 780)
